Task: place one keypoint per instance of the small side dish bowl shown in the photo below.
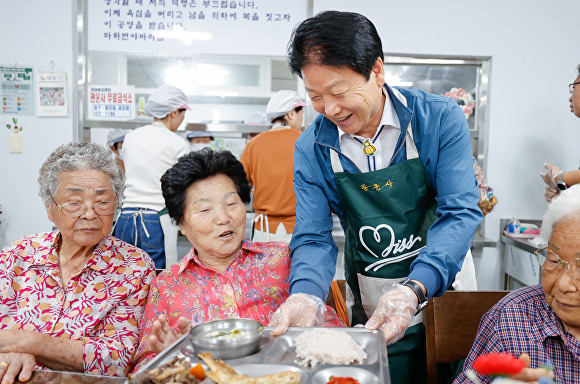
(227, 338)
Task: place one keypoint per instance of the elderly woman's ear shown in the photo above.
(49, 212)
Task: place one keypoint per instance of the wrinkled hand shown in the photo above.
(16, 364)
(531, 374)
(162, 335)
(299, 310)
(550, 193)
(394, 312)
(550, 176)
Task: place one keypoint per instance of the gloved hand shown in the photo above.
(550, 193)
(394, 312)
(551, 175)
(299, 310)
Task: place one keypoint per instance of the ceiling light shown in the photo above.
(179, 33)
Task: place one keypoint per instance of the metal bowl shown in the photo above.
(213, 337)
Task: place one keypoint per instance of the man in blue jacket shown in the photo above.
(396, 167)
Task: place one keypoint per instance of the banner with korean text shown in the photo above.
(259, 27)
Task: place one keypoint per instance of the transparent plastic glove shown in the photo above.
(550, 176)
(299, 310)
(394, 312)
(550, 193)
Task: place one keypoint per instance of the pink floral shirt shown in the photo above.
(101, 305)
(253, 286)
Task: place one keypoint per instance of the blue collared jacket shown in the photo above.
(441, 134)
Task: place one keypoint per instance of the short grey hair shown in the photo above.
(564, 206)
(78, 156)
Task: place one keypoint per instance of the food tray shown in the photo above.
(278, 353)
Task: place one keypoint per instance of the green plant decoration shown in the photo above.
(15, 128)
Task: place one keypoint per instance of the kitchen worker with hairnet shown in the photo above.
(199, 139)
(148, 152)
(395, 165)
(267, 160)
(115, 139)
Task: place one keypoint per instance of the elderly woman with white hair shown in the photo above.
(540, 324)
(72, 299)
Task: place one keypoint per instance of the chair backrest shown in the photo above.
(451, 323)
(336, 299)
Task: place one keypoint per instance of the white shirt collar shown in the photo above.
(389, 116)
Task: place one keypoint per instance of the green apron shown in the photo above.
(387, 214)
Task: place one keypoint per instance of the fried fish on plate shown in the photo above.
(223, 373)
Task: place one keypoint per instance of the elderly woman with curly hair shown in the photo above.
(72, 299)
(223, 275)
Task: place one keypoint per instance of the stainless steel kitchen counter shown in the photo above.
(521, 266)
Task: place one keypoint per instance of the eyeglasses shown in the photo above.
(76, 208)
(571, 86)
(551, 261)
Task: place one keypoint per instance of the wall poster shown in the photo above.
(52, 97)
(16, 91)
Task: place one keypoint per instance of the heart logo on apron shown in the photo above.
(393, 247)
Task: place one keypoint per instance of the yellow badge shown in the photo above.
(368, 148)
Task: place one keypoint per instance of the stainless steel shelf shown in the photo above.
(481, 241)
(212, 127)
(132, 124)
(243, 128)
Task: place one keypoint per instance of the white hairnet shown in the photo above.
(192, 134)
(165, 100)
(116, 135)
(283, 102)
(258, 118)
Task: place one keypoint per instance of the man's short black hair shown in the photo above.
(338, 39)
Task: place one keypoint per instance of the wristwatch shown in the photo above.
(419, 292)
(561, 184)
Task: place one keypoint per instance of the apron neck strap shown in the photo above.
(411, 148)
(335, 161)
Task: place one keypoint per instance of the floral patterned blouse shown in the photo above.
(253, 286)
(101, 305)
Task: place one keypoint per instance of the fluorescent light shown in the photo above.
(179, 33)
(221, 93)
(209, 75)
(396, 81)
(181, 77)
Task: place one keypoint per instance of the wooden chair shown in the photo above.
(451, 323)
(336, 299)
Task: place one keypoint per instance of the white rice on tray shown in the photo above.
(325, 346)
